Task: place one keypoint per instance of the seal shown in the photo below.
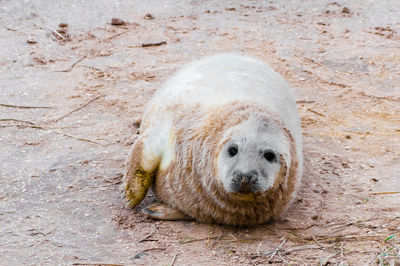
(220, 142)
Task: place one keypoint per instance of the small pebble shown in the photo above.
(63, 25)
(62, 31)
(149, 16)
(117, 22)
(30, 40)
(315, 217)
(346, 10)
(137, 121)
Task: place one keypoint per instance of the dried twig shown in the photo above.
(316, 241)
(345, 224)
(72, 66)
(57, 33)
(115, 180)
(153, 44)
(272, 253)
(300, 228)
(325, 261)
(282, 259)
(277, 249)
(138, 255)
(198, 239)
(16, 120)
(97, 264)
(334, 238)
(304, 101)
(59, 133)
(215, 241)
(312, 61)
(384, 193)
(258, 249)
(26, 107)
(66, 135)
(114, 36)
(174, 258)
(291, 250)
(315, 112)
(150, 249)
(77, 109)
(145, 238)
(357, 223)
(43, 234)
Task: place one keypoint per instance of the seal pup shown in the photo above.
(220, 142)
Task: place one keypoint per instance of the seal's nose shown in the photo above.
(246, 180)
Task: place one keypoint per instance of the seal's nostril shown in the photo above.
(248, 175)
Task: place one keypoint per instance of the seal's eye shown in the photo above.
(269, 156)
(233, 150)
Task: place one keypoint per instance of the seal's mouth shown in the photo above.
(248, 196)
(243, 187)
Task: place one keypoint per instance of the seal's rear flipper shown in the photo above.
(162, 211)
(140, 171)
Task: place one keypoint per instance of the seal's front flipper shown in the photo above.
(162, 211)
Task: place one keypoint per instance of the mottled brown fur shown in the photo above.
(189, 184)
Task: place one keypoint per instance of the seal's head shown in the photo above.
(251, 156)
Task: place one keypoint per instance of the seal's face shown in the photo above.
(250, 158)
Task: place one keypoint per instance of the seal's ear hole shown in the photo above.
(269, 156)
(233, 150)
